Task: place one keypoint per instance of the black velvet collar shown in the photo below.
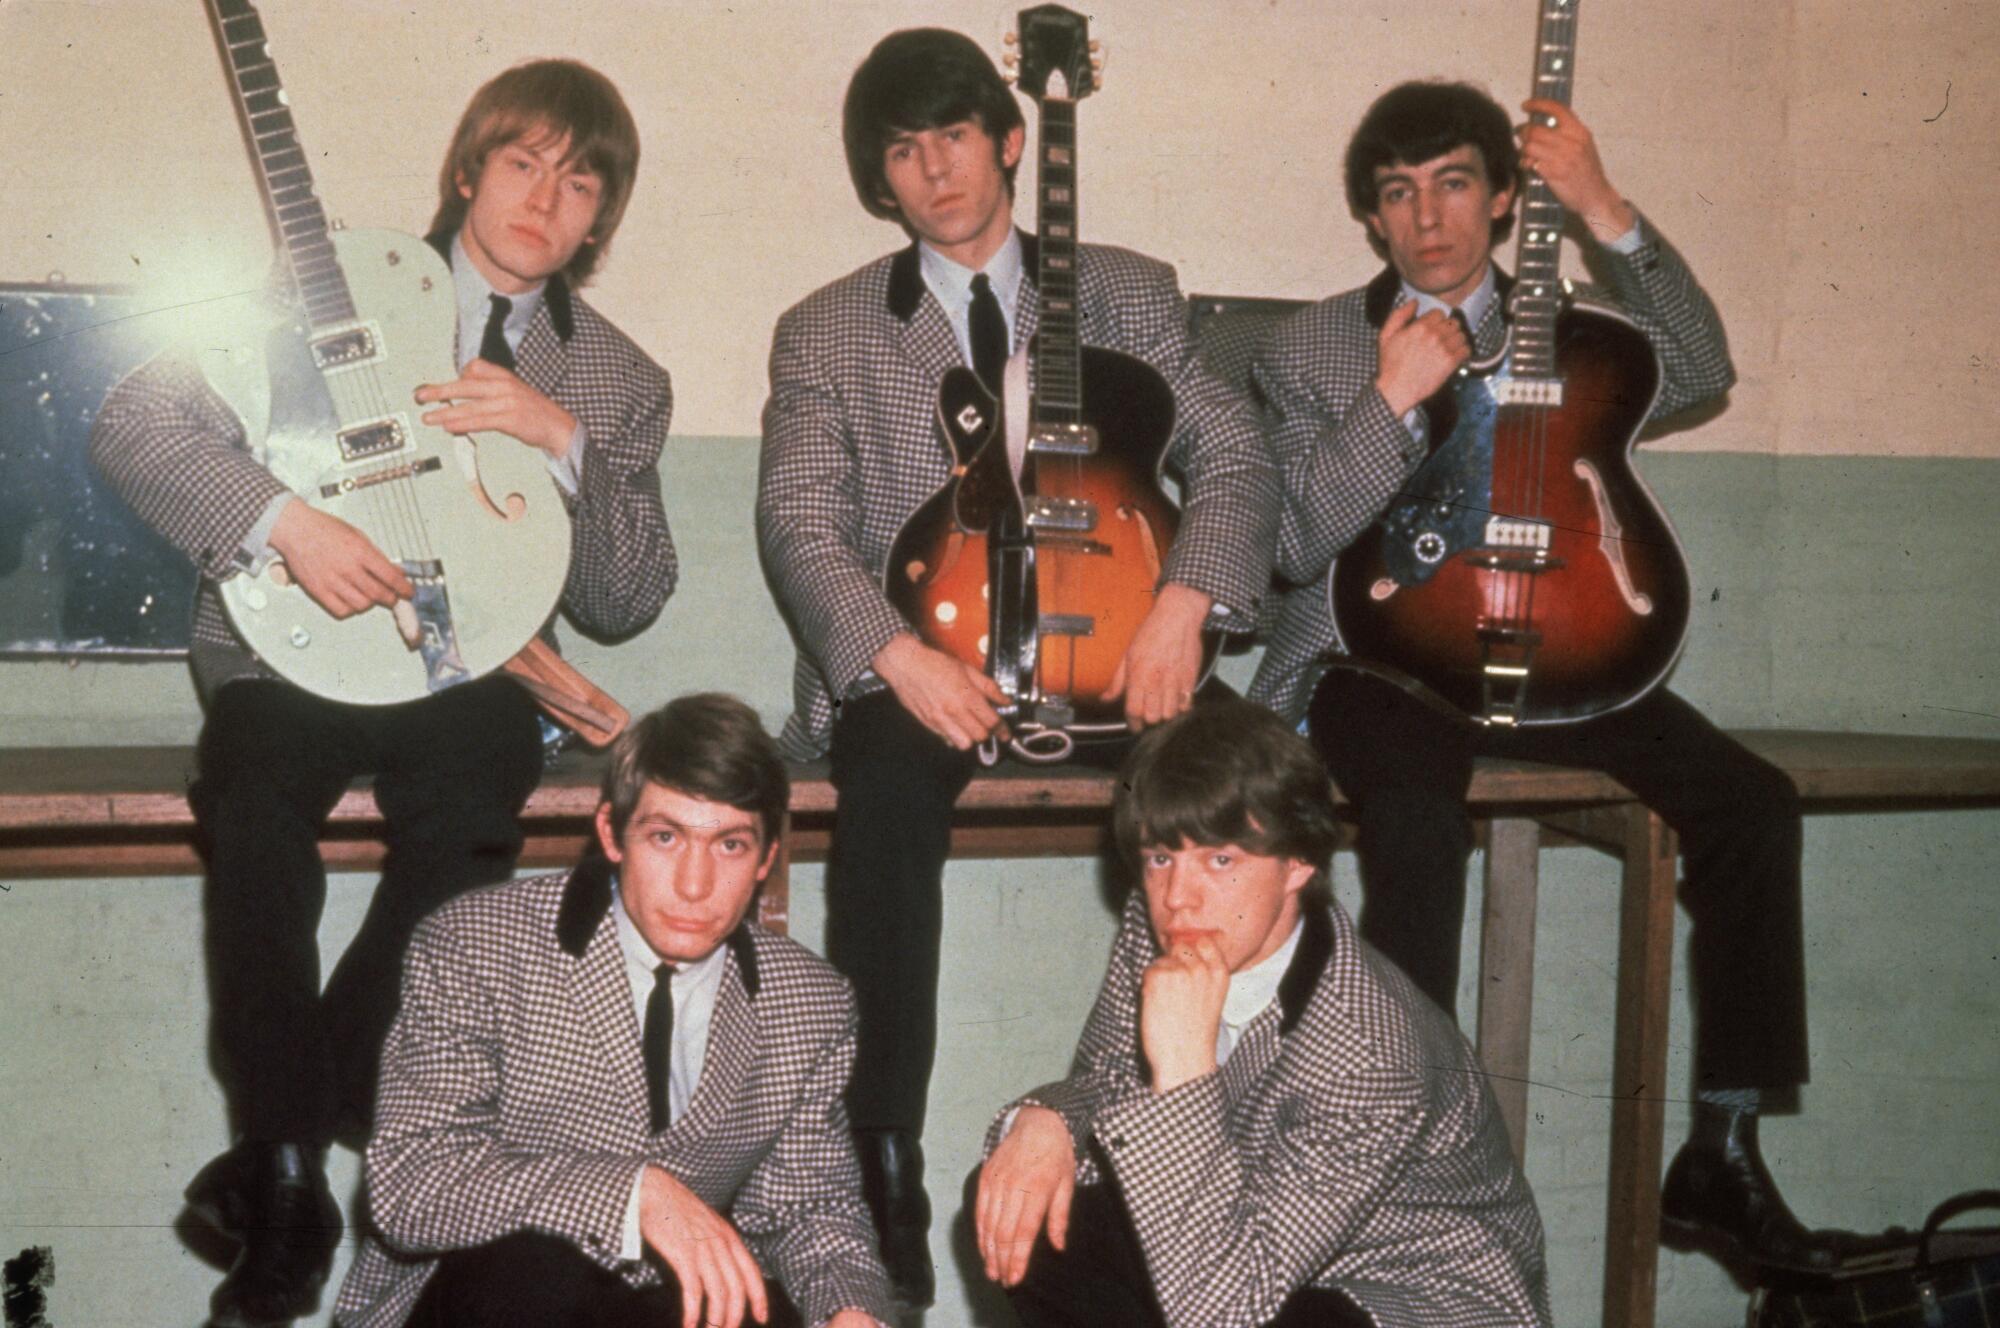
(1308, 965)
(555, 293)
(906, 277)
(587, 898)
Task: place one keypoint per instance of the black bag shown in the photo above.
(1945, 1279)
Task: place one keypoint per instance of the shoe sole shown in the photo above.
(1682, 1235)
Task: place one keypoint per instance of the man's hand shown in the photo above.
(334, 563)
(719, 1278)
(948, 696)
(489, 398)
(1160, 667)
(1027, 1183)
(1564, 154)
(1417, 355)
(1180, 1008)
(853, 1319)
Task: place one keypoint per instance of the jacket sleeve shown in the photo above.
(439, 1177)
(1228, 1242)
(801, 1212)
(169, 446)
(1229, 482)
(1341, 453)
(622, 565)
(1653, 285)
(809, 509)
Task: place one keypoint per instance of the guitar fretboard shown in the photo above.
(1058, 361)
(1538, 266)
(298, 223)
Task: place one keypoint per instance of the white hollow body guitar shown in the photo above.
(476, 525)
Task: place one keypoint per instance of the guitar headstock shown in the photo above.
(1057, 61)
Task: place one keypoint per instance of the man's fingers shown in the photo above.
(1117, 687)
(1059, 1212)
(753, 1280)
(1399, 318)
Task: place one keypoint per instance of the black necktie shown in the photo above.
(493, 347)
(989, 334)
(659, 1045)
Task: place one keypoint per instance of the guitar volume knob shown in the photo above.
(1429, 547)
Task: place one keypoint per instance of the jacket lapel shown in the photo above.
(732, 1041)
(1263, 1036)
(598, 988)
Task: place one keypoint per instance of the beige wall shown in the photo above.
(1795, 149)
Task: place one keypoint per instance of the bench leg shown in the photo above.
(1638, 1072)
(774, 901)
(1507, 968)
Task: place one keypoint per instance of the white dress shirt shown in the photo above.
(694, 987)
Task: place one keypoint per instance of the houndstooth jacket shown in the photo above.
(513, 1097)
(1349, 1141)
(1344, 456)
(176, 453)
(852, 448)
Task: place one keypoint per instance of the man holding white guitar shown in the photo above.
(531, 192)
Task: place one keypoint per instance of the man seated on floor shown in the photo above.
(609, 1098)
(1265, 1123)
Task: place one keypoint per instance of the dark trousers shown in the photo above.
(1405, 767)
(533, 1280)
(1100, 1280)
(895, 783)
(452, 772)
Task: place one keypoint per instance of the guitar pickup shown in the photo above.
(1064, 440)
(1527, 391)
(1504, 533)
(376, 438)
(346, 348)
(1066, 624)
(1072, 514)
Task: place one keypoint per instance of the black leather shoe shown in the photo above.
(892, 1181)
(1721, 1198)
(289, 1225)
(219, 1194)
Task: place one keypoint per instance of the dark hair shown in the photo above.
(1413, 122)
(540, 101)
(707, 745)
(920, 78)
(1228, 772)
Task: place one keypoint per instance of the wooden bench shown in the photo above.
(100, 812)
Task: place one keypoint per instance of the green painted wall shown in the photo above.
(1834, 593)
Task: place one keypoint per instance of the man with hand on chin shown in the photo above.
(609, 1099)
(1265, 1123)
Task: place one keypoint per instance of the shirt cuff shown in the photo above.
(256, 549)
(568, 468)
(1629, 243)
(630, 1247)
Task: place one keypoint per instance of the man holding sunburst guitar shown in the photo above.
(532, 190)
(903, 392)
(1455, 444)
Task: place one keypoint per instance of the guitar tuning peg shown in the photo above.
(1010, 39)
(1095, 46)
(1010, 61)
